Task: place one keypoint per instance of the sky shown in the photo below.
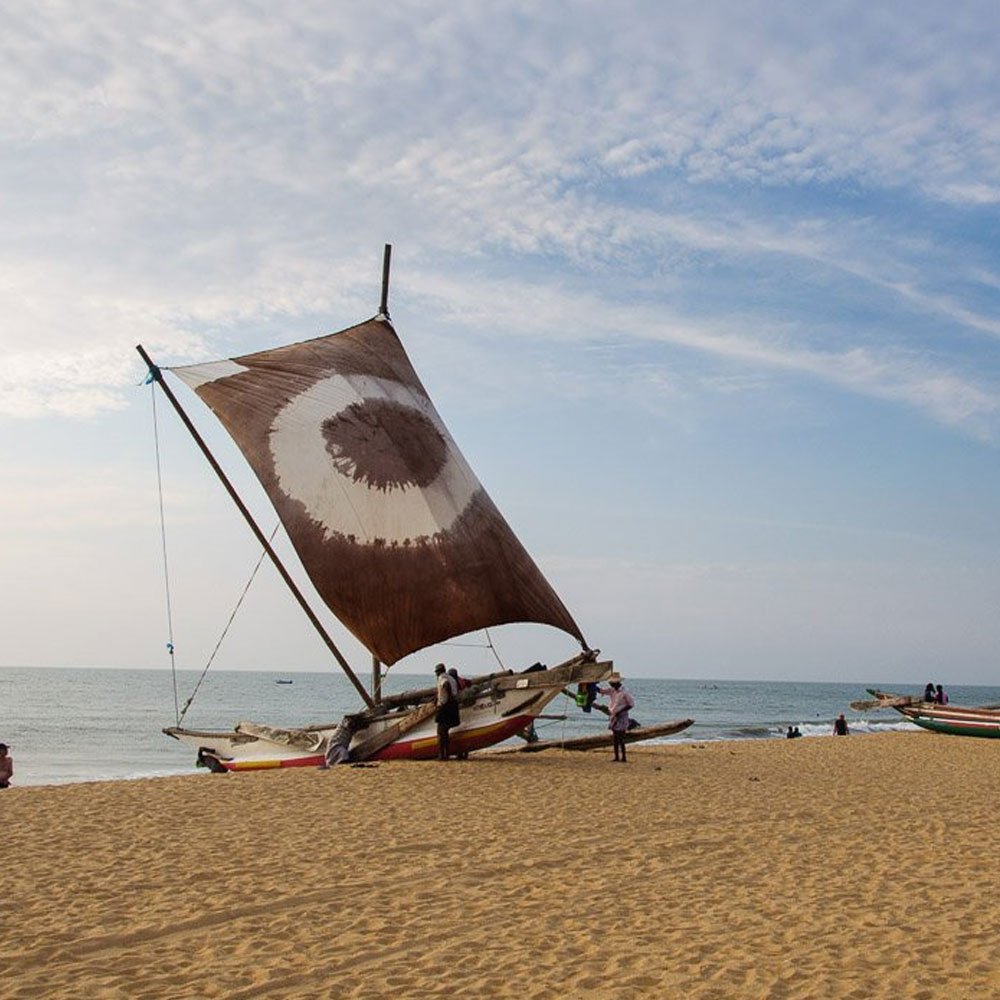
(707, 293)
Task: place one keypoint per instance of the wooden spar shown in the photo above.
(418, 695)
(386, 258)
(376, 680)
(570, 671)
(390, 734)
(157, 375)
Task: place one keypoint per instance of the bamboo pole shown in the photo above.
(376, 680)
(386, 259)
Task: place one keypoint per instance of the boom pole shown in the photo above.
(386, 260)
(157, 376)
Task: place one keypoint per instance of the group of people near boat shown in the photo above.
(448, 714)
(935, 694)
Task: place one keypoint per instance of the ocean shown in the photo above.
(86, 724)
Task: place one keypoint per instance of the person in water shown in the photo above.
(840, 726)
(618, 709)
(6, 766)
(447, 714)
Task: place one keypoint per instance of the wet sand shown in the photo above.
(859, 867)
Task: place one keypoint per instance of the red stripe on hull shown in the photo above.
(461, 742)
(425, 748)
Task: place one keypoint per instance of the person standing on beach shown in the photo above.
(940, 698)
(840, 725)
(6, 766)
(618, 709)
(447, 714)
(929, 692)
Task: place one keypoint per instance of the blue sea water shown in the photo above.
(84, 724)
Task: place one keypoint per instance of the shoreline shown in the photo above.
(744, 868)
(890, 726)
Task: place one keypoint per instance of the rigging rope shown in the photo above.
(166, 572)
(239, 602)
(489, 640)
(179, 712)
(479, 645)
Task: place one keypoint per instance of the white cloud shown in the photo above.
(185, 172)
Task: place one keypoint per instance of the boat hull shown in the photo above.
(955, 721)
(952, 720)
(420, 748)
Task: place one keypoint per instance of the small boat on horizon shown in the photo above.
(281, 680)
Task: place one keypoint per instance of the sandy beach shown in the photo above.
(856, 867)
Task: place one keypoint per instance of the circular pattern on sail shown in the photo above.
(370, 459)
(385, 444)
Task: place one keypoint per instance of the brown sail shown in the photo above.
(394, 529)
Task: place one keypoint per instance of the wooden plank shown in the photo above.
(418, 695)
(882, 699)
(390, 734)
(580, 669)
(570, 673)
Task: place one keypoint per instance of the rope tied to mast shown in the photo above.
(179, 712)
(225, 630)
(154, 375)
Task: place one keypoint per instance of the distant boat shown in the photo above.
(280, 681)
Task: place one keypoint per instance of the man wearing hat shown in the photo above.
(618, 709)
(447, 715)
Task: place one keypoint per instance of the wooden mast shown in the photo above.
(386, 260)
(383, 310)
(157, 376)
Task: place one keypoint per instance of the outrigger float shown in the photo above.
(953, 720)
(598, 740)
(395, 532)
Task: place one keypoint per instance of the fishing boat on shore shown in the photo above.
(953, 720)
(395, 532)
